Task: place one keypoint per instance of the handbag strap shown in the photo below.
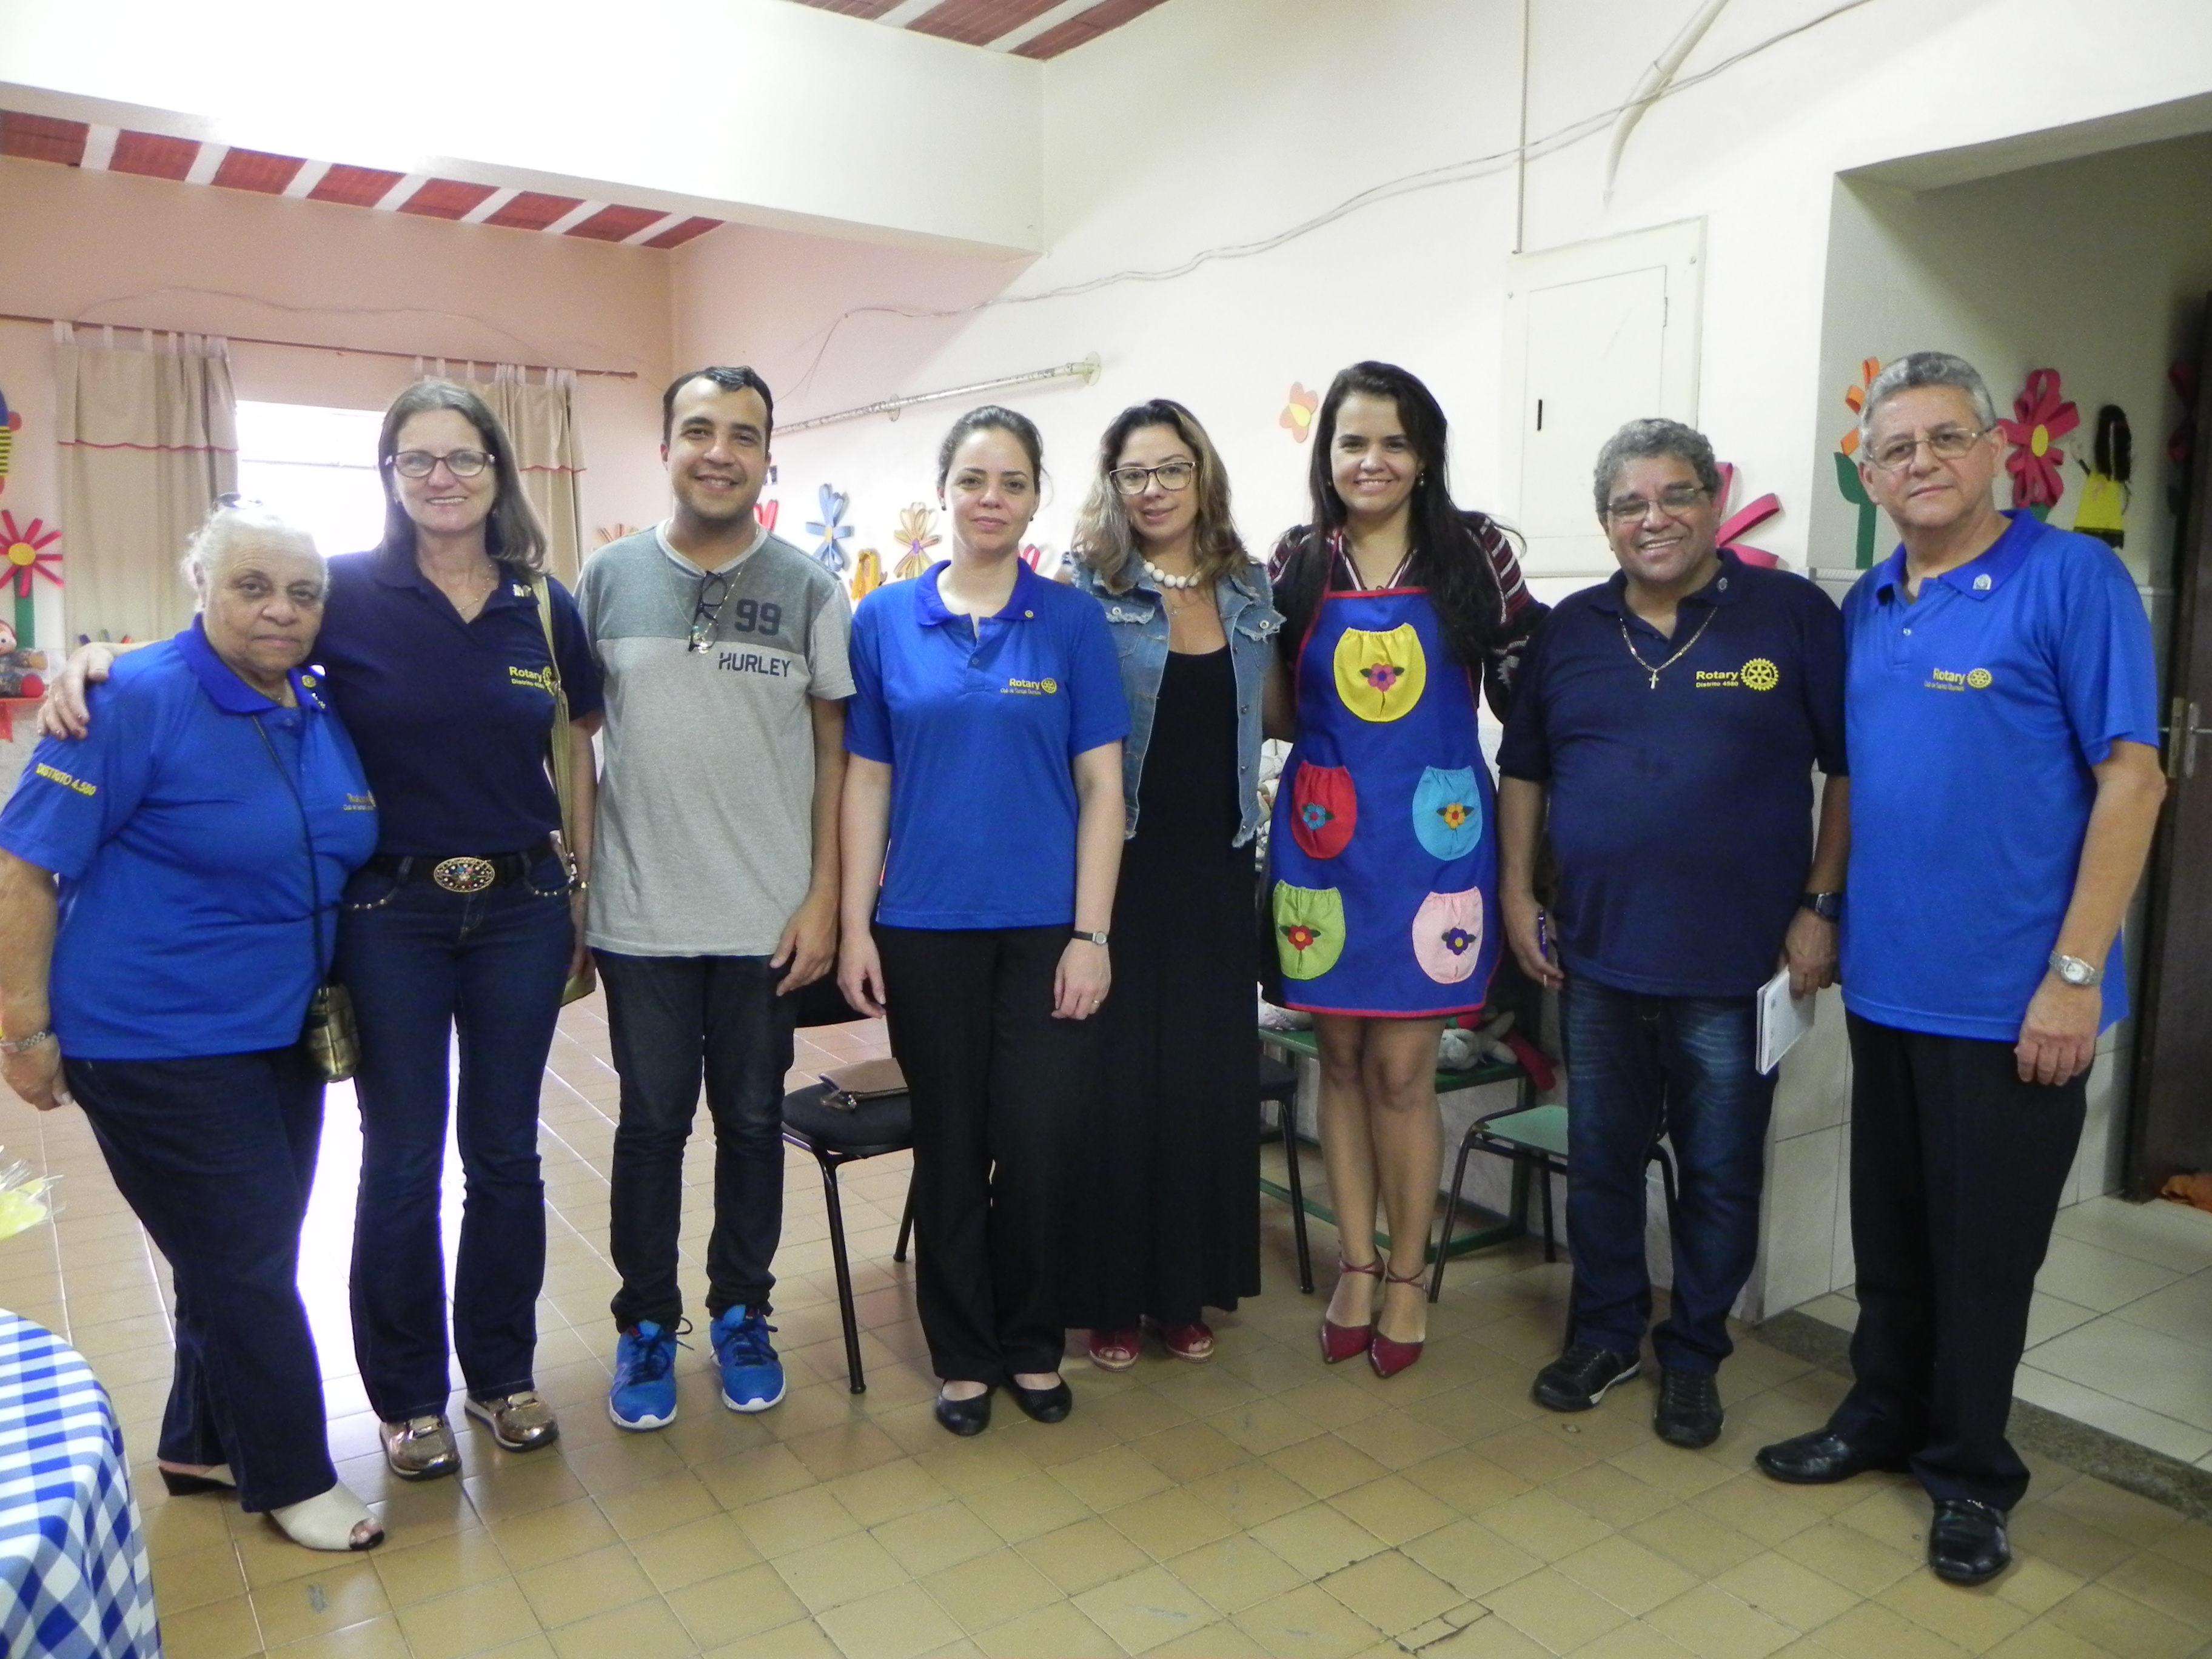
(560, 761)
(307, 832)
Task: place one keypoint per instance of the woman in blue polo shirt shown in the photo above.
(985, 739)
(201, 836)
(466, 923)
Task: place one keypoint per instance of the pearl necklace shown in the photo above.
(1163, 577)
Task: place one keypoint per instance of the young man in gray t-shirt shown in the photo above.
(714, 874)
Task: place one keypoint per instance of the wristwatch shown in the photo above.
(2076, 972)
(1829, 907)
(1099, 940)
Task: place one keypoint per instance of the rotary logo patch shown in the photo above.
(1761, 675)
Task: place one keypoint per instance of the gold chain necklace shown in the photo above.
(1671, 661)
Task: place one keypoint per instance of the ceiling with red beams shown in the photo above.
(112, 149)
(1028, 28)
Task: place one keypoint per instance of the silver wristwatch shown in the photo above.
(2076, 972)
(1099, 940)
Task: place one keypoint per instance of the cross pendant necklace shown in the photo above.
(1677, 656)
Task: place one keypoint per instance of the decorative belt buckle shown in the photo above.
(465, 875)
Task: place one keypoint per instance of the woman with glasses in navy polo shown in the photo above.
(980, 837)
(466, 925)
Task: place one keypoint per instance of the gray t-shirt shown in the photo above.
(705, 831)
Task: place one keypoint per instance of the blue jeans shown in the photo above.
(217, 1157)
(424, 964)
(1639, 1063)
(673, 1019)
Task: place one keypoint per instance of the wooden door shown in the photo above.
(2170, 1121)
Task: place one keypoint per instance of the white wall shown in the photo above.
(750, 109)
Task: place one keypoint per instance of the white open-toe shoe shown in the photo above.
(335, 1520)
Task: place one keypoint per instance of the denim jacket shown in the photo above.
(1139, 623)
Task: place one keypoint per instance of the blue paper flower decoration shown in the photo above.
(832, 528)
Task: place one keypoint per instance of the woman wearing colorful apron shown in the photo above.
(1383, 866)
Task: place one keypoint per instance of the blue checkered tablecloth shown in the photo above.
(74, 1582)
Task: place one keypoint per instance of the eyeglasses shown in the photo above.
(1674, 500)
(1136, 480)
(421, 462)
(1946, 443)
(705, 616)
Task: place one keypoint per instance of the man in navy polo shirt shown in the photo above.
(2003, 715)
(1670, 719)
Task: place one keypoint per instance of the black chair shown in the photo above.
(836, 1137)
(1278, 1083)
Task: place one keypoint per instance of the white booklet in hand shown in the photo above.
(1782, 1019)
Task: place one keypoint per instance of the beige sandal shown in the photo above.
(334, 1520)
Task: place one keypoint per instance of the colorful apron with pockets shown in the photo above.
(1383, 849)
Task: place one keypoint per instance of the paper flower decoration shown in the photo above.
(1298, 416)
(1031, 554)
(867, 572)
(765, 512)
(614, 533)
(1855, 396)
(1739, 523)
(26, 555)
(2040, 419)
(831, 527)
(914, 537)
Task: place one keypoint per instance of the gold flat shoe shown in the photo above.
(519, 1422)
(421, 1448)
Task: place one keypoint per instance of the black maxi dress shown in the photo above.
(1168, 1215)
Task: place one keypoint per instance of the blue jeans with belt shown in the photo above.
(215, 1155)
(1635, 1061)
(424, 965)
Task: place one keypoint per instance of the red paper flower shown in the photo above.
(2040, 419)
(26, 553)
(1755, 513)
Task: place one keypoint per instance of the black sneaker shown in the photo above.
(1689, 1414)
(1578, 1378)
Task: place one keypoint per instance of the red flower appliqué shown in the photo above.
(1300, 936)
(2040, 417)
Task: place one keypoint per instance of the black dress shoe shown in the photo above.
(965, 1417)
(1820, 1459)
(1967, 1541)
(1578, 1378)
(1045, 1404)
(1689, 1414)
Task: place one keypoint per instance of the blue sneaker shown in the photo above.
(644, 1393)
(752, 1376)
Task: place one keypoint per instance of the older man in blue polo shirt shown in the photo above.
(1670, 719)
(2002, 718)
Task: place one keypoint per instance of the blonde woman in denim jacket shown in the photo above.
(1169, 1224)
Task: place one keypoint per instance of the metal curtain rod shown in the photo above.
(1086, 371)
(310, 345)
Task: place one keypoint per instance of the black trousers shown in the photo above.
(672, 1020)
(1956, 1171)
(999, 1088)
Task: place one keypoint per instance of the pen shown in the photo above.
(1543, 936)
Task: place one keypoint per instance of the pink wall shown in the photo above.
(96, 248)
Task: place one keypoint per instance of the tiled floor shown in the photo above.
(1260, 1505)
(2120, 1336)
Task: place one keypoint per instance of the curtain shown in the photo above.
(147, 438)
(541, 424)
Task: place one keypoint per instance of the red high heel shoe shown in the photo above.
(1342, 1342)
(1388, 1355)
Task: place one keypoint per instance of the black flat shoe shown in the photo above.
(1578, 1378)
(181, 1484)
(965, 1417)
(1820, 1459)
(1689, 1415)
(1967, 1541)
(1044, 1405)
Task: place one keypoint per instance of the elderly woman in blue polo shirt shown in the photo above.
(985, 739)
(444, 645)
(201, 837)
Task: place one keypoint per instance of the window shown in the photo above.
(317, 467)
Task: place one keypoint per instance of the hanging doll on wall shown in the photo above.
(2102, 510)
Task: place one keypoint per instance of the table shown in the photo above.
(74, 1579)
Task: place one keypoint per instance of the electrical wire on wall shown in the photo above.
(1426, 179)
